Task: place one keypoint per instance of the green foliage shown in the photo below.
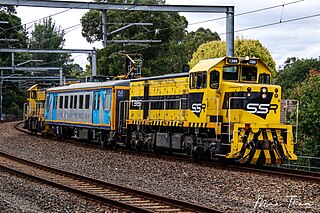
(175, 49)
(11, 30)
(243, 47)
(13, 100)
(46, 35)
(298, 84)
(308, 93)
(294, 72)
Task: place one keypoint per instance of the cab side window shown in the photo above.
(214, 79)
(198, 80)
(264, 79)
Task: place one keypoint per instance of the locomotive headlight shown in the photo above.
(264, 90)
(248, 94)
(264, 96)
(249, 89)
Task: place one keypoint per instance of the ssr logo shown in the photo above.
(263, 109)
(197, 107)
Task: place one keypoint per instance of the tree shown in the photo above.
(201, 36)
(308, 93)
(11, 30)
(13, 98)
(46, 35)
(243, 47)
(175, 49)
(294, 72)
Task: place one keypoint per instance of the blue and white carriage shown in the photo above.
(87, 110)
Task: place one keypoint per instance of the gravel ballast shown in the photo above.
(227, 190)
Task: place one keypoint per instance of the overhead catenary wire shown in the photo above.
(244, 13)
(221, 18)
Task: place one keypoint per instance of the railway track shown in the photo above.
(115, 195)
(263, 170)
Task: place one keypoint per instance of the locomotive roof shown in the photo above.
(90, 85)
(207, 64)
(174, 75)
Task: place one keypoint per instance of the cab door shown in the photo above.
(54, 107)
(213, 99)
(198, 97)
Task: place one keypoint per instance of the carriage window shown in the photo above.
(98, 102)
(47, 101)
(214, 79)
(107, 101)
(87, 101)
(81, 102)
(264, 79)
(198, 80)
(66, 100)
(94, 101)
(230, 73)
(55, 100)
(61, 102)
(75, 101)
(249, 74)
(71, 102)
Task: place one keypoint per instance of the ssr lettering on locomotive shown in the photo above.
(257, 108)
(223, 109)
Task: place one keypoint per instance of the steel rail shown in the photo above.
(262, 170)
(97, 190)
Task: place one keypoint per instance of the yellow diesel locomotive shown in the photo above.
(223, 108)
(34, 119)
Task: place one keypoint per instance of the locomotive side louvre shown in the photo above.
(159, 101)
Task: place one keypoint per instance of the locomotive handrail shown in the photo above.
(217, 116)
(229, 113)
(164, 106)
(297, 116)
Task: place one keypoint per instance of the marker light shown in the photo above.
(264, 96)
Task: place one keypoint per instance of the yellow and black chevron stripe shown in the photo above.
(158, 123)
(198, 125)
(276, 154)
(258, 156)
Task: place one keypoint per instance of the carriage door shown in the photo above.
(54, 107)
(96, 108)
